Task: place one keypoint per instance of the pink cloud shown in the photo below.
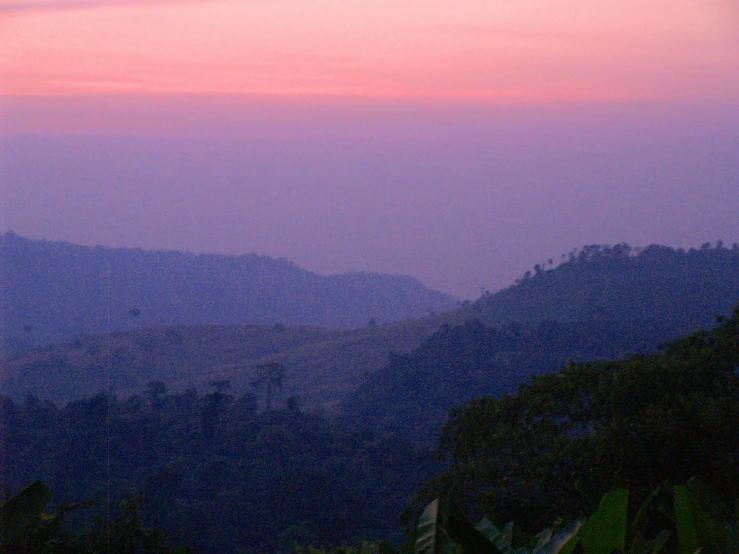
(58, 5)
(291, 47)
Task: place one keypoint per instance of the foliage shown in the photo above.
(414, 394)
(202, 462)
(270, 376)
(26, 529)
(672, 520)
(22, 510)
(564, 440)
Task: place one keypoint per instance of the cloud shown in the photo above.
(60, 5)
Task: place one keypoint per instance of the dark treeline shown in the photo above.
(561, 441)
(414, 393)
(672, 291)
(215, 472)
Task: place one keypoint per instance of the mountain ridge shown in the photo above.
(56, 291)
(594, 305)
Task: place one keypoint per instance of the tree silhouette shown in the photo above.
(269, 375)
(214, 404)
(155, 390)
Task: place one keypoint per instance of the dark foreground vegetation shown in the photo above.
(551, 450)
(566, 439)
(204, 462)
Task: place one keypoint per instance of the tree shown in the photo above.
(564, 440)
(214, 404)
(26, 528)
(269, 375)
(155, 390)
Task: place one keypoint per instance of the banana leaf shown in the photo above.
(560, 539)
(468, 537)
(693, 528)
(605, 531)
(22, 511)
(428, 529)
(487, 528)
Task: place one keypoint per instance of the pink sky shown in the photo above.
(459, 142)
(482, 50)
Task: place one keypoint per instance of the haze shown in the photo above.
(459, 143)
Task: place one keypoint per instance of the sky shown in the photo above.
(458, 142)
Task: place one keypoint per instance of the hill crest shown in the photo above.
(56, 291)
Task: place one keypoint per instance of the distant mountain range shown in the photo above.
(56, 291)
(405, 376)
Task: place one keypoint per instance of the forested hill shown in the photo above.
(672, 291)
(602, 303)
(55, 291)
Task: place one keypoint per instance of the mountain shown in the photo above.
(55, 291)
(604, 302)
(657, 288)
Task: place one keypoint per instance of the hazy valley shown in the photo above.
(357, 412)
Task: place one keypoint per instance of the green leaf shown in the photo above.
(639, 519)
(659, 541)
(693, 528)
(715, 509)
(572, 546)
(428, 529)
(505, 541)
(468, 537)
(22, 511)
(543, 539)
(605, 531)
(555, 544)
(487, 528)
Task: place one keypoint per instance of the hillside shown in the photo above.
(602, 303)
(414, 393)
(321, 365)
(55, 292)
(673, 290)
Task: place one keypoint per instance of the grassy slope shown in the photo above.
(322, 364)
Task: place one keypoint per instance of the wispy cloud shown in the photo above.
(61, 5)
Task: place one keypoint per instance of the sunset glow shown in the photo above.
(524, 51)
(459, 142)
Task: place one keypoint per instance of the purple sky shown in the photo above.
(460, 197)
